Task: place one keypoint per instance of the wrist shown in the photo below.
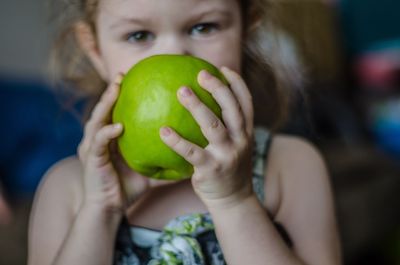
(102, 215)
(247, 206)
(230, 202)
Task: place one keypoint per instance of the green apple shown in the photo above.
(148, 100)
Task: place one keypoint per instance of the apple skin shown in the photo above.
(148, 101)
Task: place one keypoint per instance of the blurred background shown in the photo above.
(349, 53)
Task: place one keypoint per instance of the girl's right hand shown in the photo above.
(102, 186)
(109, 184)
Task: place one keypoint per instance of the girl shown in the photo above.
(270, 203)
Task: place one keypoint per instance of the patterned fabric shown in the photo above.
(188, 239)
(262, 140)
(185, 240)
(177, 243)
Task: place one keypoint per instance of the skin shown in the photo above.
(81, 201)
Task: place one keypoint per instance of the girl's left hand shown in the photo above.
(222, 170)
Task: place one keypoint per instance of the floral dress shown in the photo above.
(188, 239)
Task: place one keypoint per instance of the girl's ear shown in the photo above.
(87, 42)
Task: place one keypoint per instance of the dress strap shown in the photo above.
(262, 143)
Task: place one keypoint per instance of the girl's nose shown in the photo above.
(174, 45)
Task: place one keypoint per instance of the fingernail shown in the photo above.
(117, 126)
(119, 78)
(185, 92)
(165, 131)
(205, 74)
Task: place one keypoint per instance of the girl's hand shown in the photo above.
(101, 182)
(222, 170)
(110, 185)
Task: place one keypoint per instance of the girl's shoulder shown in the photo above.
(286, 147)
(62, 183)
(293, 166)
(56, 202)
(305, 202)
(294, 157)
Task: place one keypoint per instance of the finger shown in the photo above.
(101, 113)
(159, 182)
(211, 126)
(93, 125)
(82, 151)
(99, 151)
(243, 95)
(231, 112)
(192, 153)
(102, 110)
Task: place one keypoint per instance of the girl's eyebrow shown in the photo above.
(146, 21)
(132, 20)
(211, 12)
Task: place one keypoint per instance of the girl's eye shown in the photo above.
(203, 29)
(140, 36)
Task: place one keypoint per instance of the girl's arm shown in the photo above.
(222, 180)
(77, 210)
(248, 236)
(80, 204)
(62, 230)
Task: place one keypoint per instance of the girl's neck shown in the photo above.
(161, 204)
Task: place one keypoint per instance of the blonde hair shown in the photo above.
(69, 64)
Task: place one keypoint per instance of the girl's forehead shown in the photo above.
(128, 8)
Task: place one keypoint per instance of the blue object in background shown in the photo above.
(385, 125)
(36, 131)
(371, 36)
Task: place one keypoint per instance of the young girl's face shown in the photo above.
(130, 30)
